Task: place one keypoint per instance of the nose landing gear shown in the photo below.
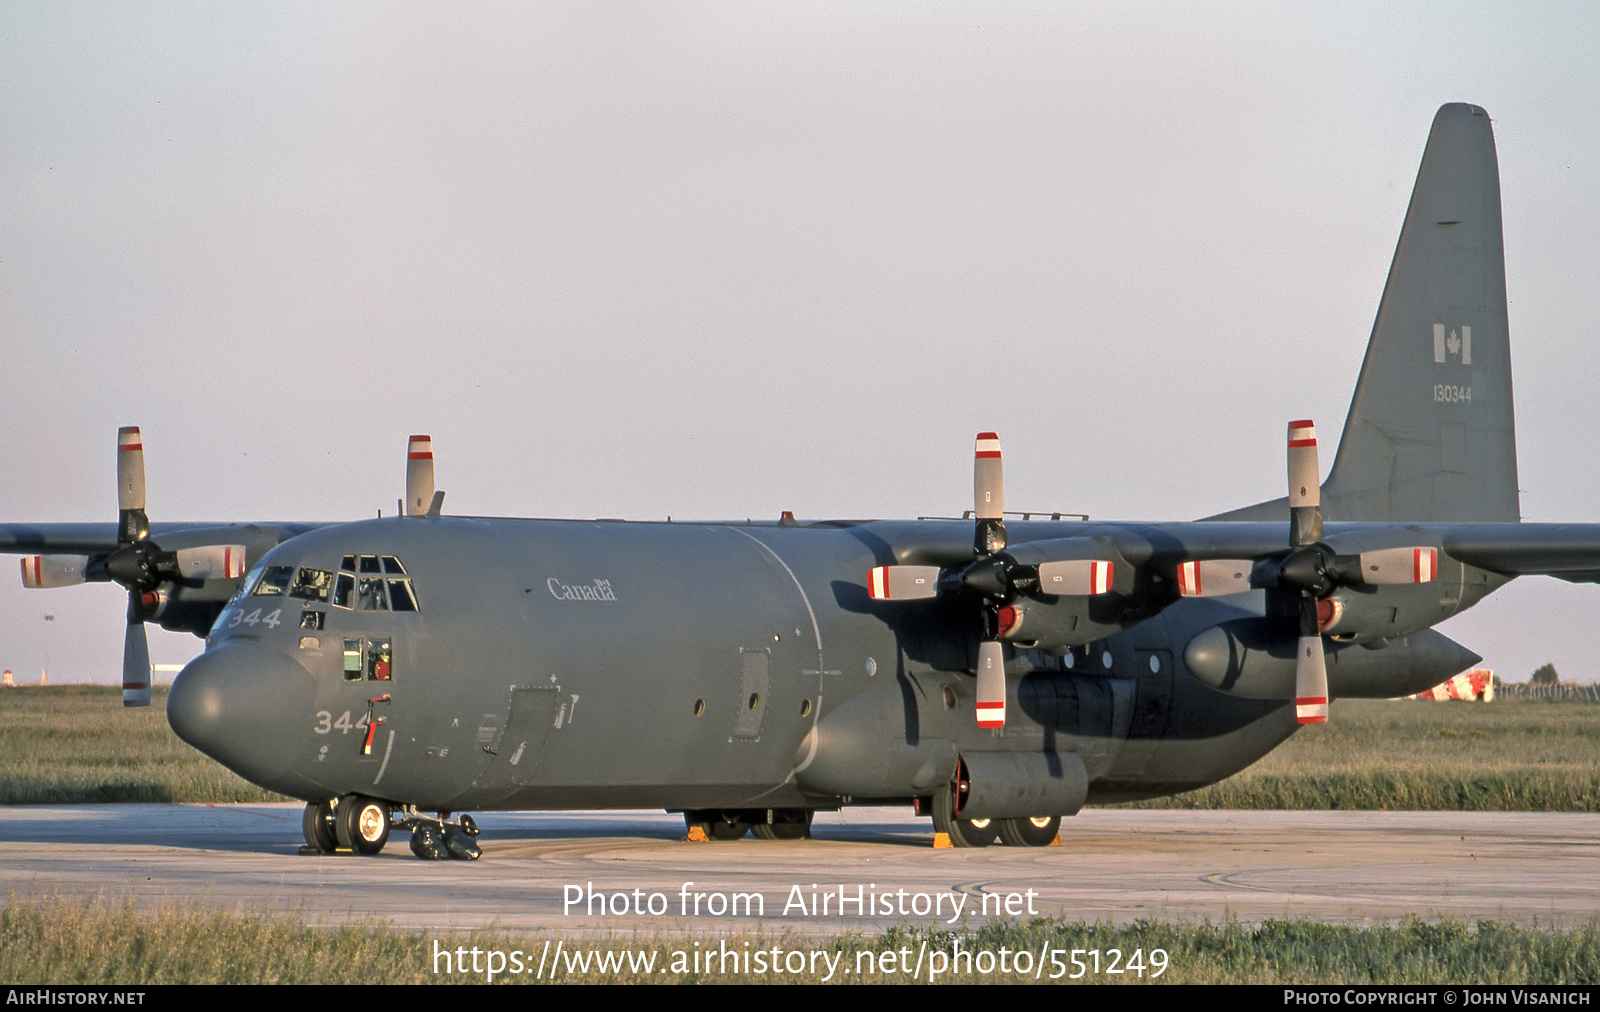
(354, 824)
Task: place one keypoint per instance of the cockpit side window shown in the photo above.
(312, 585)
(274, 581)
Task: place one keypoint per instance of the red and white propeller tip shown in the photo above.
(1311, 682)
(991, 684)
(130, 468)
(1075, 577)
(1303, 487)
(419, 475)
(1214, 577)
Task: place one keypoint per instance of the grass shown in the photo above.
(92, 942)
(77, 744)
(1408, 755)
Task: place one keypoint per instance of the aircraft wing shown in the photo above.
(92, 538)
(1569, 552)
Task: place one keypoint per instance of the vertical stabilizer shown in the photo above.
(1430, 434)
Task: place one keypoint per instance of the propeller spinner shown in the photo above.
(994, 576)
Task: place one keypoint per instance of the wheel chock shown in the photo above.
(697, 835)
(941, 840)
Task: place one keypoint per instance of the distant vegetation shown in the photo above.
(76, 744)
(1425, 756)
(1545, 674)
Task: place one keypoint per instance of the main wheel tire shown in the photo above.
(317, 824)
(362, 824)
(722, 830)
(1039, 831)
(962, 832)
(786, 824)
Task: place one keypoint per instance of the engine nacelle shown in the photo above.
(1255, 658)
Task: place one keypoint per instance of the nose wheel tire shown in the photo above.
(361, 824)
(1039, 831)
(317, 824)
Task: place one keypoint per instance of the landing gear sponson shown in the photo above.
(360, 825)
(795, 824)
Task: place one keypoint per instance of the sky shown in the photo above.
(717, 261)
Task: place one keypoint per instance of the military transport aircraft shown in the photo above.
(997, 672)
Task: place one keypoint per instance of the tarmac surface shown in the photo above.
(864, 869)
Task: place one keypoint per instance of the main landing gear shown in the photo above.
(355, 824)
(762, 823)
(1039, 831)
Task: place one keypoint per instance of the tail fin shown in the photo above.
(1430, 434)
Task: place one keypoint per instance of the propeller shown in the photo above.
(994, 576)
(138, 564)
(1311, 568)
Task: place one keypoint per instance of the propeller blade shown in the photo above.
(1310, 668)
(1214, 577)
(211, 562)
(1075, 578)
(135, 661)
(903, 583)
(991, 684)
(1399, 565)
(54, 570)
(1311, 682)
(133, 525)
(419, 475)
(988, 495)
(1305, 494)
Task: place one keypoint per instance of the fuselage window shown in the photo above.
(369, 564)
(274, 581)
(352, 660)
(391, 566)
(379, 658)
(312, 585)
(344, 591)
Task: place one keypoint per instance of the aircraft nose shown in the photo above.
(238, 703)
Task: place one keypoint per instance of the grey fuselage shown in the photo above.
(585, 664)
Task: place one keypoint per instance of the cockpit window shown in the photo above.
(400, 598)
(244, 586)
(370, 596)
(312, 585)
(387, 588)
(274, 581)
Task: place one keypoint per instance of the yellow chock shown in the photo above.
(1057, 841)
(941, 840)
(697, 835)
